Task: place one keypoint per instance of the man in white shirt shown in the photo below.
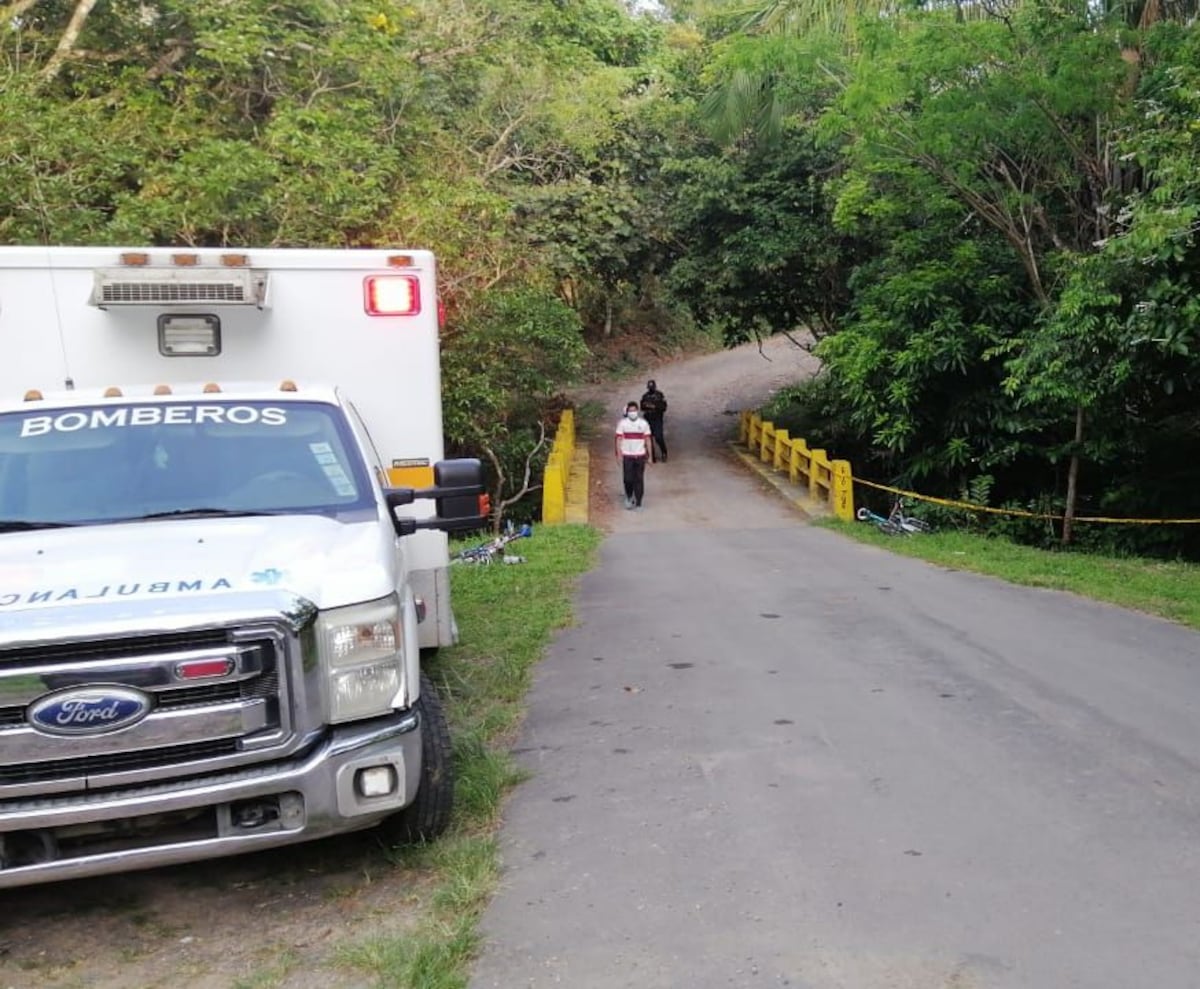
(633, 440)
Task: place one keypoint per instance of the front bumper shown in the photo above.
(49, 839)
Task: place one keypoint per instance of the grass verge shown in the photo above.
(1167, 589)
(506, 617)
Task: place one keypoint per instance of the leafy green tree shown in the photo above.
(503, 371)
(1016, 120)
(911, 360)
(1122, 338)
(760, 256)
(1023, 229)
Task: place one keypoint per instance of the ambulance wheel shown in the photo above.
(429, 813)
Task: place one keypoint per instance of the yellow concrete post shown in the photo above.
(566, 433)
(782, 445)
(558, 470)
(843, 490)
(744, 427)
(768, 439)
(554, 490)
(755, 427)
(816, 465)
(793, 464)
(798, 465)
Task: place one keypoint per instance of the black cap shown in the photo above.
(651, 385)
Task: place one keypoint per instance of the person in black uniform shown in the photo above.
(654, 409)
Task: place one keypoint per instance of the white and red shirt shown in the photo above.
(633, 434)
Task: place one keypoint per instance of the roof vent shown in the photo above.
(179, 286)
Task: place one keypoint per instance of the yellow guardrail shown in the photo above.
(558, 470)
(829, 482)
(832, 481)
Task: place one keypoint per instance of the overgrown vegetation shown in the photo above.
(1016, 197)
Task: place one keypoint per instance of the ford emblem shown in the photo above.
(90, 710)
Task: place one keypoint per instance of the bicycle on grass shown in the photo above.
(493, 550)
(896, 522)
(908, 523)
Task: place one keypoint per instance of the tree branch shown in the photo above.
(499, 504)
(67, 42)
(494, 160)
(166, 61)
(805, 345)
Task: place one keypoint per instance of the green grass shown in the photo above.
(506, 617)
(1167, 589)
(271, 975)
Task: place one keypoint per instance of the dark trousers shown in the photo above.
(633, 471)
(656, 435)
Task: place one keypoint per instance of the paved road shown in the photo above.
(767, 756)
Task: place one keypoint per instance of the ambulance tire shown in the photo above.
(429, 813)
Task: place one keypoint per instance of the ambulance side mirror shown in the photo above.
(457, 487)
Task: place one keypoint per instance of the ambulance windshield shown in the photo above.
(117, 461)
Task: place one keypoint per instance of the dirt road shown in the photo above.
(700, 485)
(278, 919)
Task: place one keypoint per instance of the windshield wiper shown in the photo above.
(196, 513)
(22, 525)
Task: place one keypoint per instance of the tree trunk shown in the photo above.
(1073, 479)
(608, 314)
(66, 43)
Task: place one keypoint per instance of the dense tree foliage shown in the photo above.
(1019, 181)
(982, 213)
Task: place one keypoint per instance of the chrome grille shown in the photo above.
(61, 769)
(192, 727)
(141, 645)
(212, 694)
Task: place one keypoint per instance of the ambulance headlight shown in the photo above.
(361, 651)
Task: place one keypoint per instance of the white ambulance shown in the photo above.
(223, 518)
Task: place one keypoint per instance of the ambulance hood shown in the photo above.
(327, 562)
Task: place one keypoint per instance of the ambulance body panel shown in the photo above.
(223, 543)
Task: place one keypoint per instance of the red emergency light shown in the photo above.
(391, 295)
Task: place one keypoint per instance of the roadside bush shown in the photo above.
(810, 410)
(504, 364)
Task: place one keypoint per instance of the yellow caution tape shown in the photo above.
(1020, 513)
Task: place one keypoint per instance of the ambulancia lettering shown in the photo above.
(131, 589)
(88, 710)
